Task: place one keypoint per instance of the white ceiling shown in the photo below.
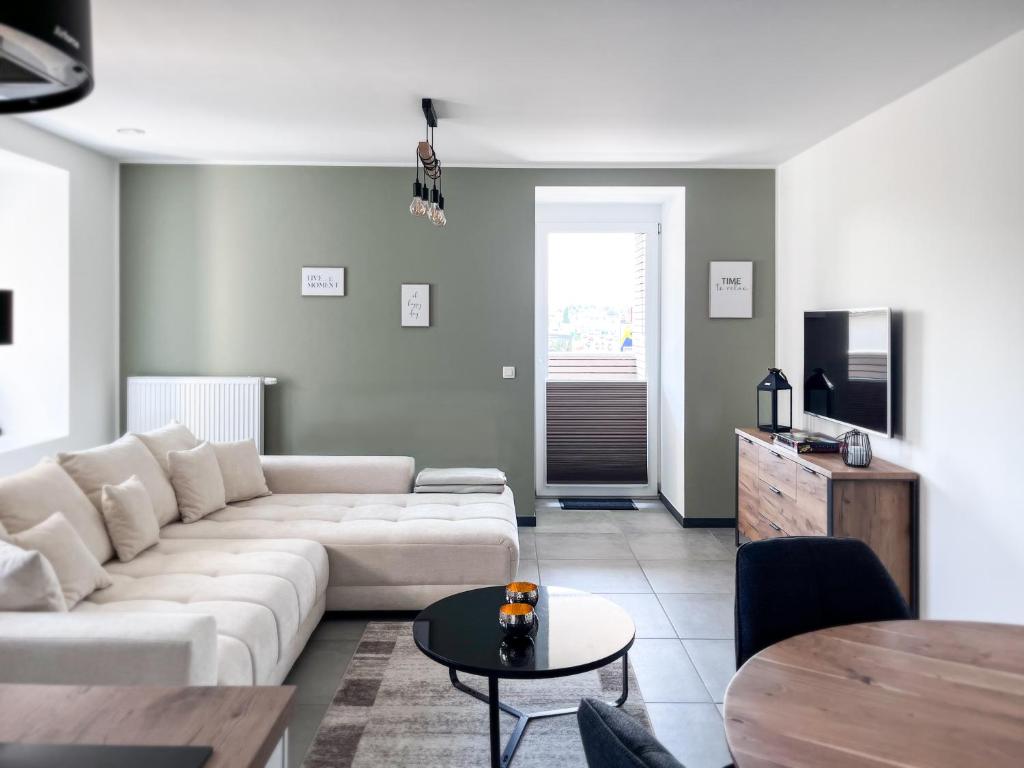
(530, 82)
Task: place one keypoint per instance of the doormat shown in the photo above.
(591, 503)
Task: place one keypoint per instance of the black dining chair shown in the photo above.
(613, 739)
(791, 585)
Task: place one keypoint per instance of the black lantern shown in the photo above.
(855, 448)
(775, 402)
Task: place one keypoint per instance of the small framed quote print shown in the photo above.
(415, 305)
(731, 289)
(323, 281)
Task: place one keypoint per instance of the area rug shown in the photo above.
(395, 707)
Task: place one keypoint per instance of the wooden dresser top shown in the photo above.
(831, 464)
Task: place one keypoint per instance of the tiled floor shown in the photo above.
(676, 583)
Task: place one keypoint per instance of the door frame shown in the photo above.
(578, 218)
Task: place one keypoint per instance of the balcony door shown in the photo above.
(597, 358)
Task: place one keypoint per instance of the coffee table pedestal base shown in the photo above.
(502, 758)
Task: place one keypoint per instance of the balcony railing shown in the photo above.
(582, 366)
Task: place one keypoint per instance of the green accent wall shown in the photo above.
(210, 267)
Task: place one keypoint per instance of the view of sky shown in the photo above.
(590, 268)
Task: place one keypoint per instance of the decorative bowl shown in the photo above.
(516, 619)
(522, 592)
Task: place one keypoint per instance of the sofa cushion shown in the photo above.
(79, 573)
(339, 474)
(28, 581)
(258, 592)
(29, 497)
(382, 540)
(198, 483)
(131, 521)
(241, 469)
(160, 442)
(116, 462)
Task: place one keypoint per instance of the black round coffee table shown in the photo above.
(576, 632)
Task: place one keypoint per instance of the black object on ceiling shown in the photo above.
(45, 54)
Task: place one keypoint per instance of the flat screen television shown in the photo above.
(848, 367)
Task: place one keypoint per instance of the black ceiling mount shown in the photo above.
(45, 54)
(429, 113)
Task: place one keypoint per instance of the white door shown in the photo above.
(597, 358)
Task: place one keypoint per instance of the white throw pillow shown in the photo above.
(114, 463)
(160, 442)
(79, 573)
(31, 496)
(27, 581)
(241, 469)
(130, 518)
(197, 481)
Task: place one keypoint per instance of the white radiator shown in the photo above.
(220, 409)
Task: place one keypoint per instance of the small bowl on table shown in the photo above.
(522, 592)
(517, 619)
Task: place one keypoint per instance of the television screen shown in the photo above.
(848, 367)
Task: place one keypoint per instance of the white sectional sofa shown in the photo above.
(232, 599)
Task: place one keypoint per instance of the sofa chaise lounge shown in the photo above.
(231, 599)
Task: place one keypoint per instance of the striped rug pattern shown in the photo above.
(395, 707)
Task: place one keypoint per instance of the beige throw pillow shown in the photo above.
(79, 573)
(27, 581)
(160, 442)
(241, 469)
(130, 518)
(31, 496)
(197, 482)
(114, 463)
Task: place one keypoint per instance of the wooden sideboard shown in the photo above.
(782, 493)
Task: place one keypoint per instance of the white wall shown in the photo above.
(34, 206)
(90, 302)
(673, 335)
(920, 207)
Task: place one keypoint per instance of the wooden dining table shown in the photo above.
(895, 693)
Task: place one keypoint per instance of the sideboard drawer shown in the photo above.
(812, 501)
(778, 508)
(778, 471)
(747, 450)
(755, 527)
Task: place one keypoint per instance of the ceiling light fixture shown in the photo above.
(45, 54)
(131, 131)
(428, 203)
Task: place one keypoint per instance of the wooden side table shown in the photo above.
(246, 727)
(917, 694)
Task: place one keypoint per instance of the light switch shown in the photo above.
(508, 372)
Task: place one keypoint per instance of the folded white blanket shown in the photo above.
(459, 488)
(461, 476)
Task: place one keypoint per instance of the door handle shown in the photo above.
(773, 525)
(773, 489)
(808, 470)
(746, 440)
(776, 455)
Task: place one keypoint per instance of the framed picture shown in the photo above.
(323, 281)
(731, 289)
(416, 305)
